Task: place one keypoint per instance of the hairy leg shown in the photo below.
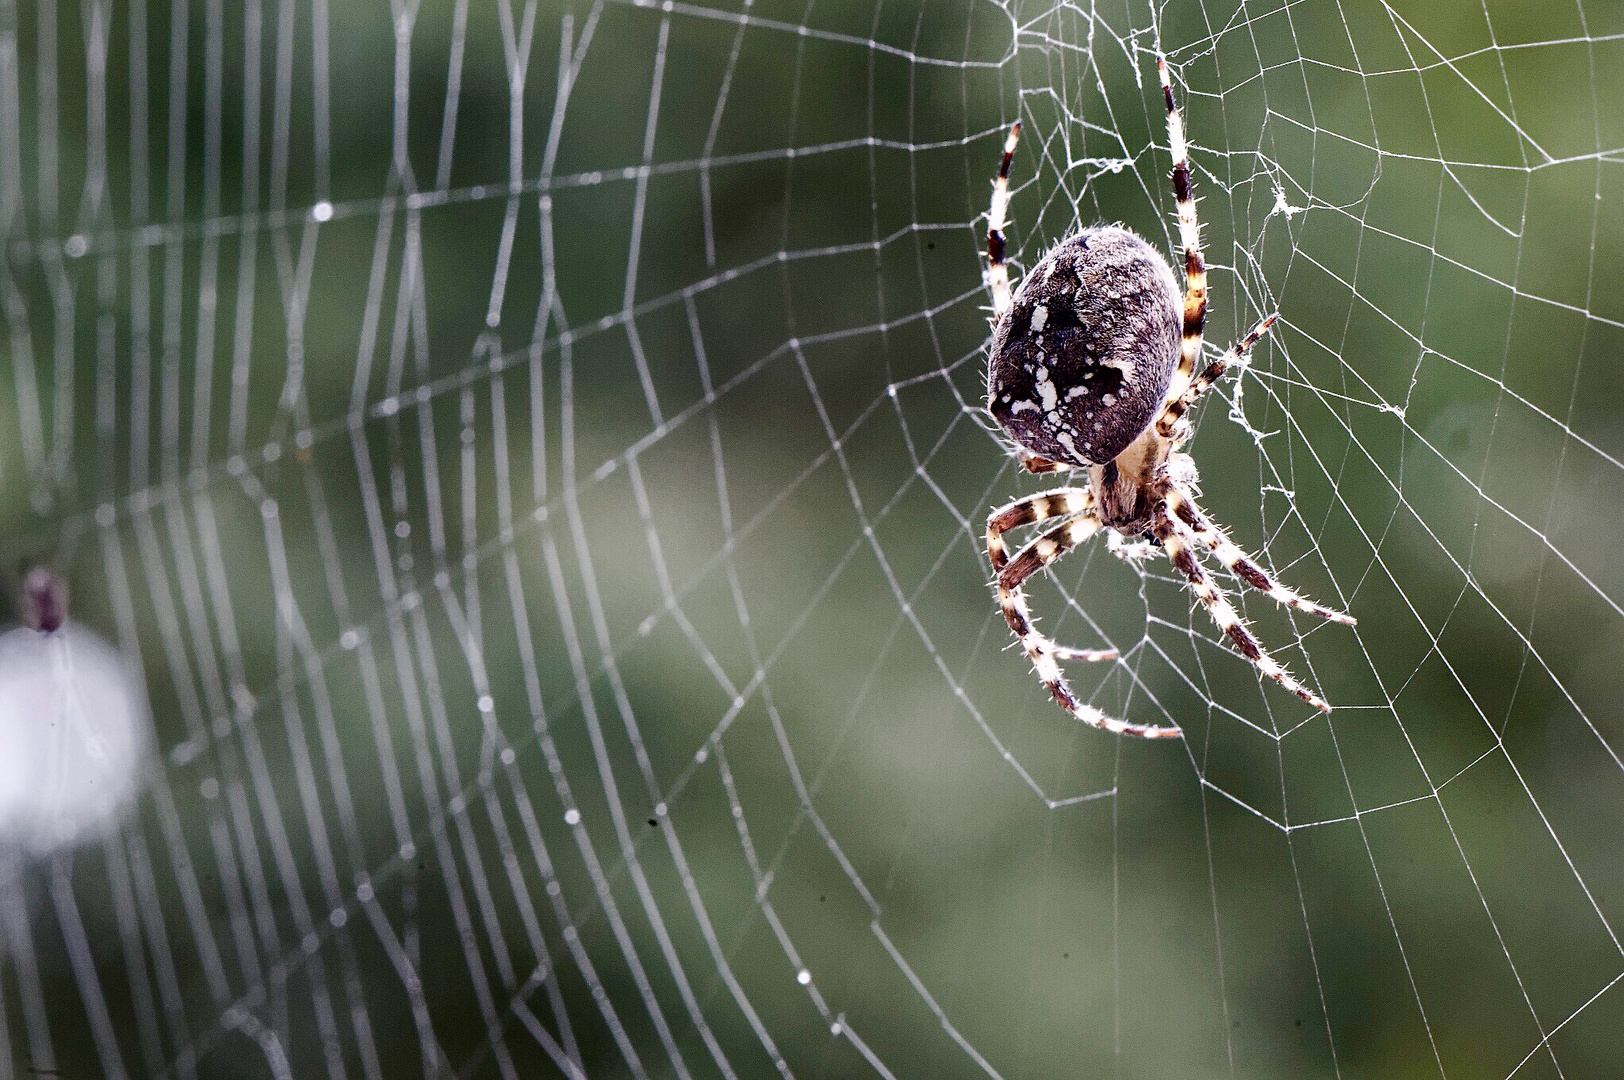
(1213, 538)
(1045, 655)
(1177, 407)
(1179, 544)
(1195, 267)
(997, 222)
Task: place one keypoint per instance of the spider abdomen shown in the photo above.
(1081, 361)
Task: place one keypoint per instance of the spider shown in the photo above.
(1092, 367)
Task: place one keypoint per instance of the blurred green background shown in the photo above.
(535, 454)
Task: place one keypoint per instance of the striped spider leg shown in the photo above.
(1074, 506)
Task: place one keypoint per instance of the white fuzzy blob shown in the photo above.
(1047, 391)
(1040, 318)
(74, 737)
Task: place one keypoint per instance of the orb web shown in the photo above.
(536, 455)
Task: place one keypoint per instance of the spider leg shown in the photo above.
(997, 222)
(1195, 267)
(1180, 547)
(1060, 502)
(1176, 408)
(1035, 464)
(1044, 654)
(1239, 563)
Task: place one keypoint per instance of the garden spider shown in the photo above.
(1088, 370)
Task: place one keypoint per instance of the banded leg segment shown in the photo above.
(1044, 654)
(1180, 547)
(1061, 502)
(997, 222)
(1195, 266)
(1239, 563)
(1045, 549)
(1176, 408)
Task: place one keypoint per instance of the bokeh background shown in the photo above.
(533, 454)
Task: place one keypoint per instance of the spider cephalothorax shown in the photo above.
(1093, 367)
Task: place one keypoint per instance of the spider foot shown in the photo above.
(1048, 671)
(1092, 656)
(1268, 669)
(1035, 644)
(1238, 562)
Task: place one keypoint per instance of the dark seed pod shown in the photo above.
(44, 600)
(1081, 362)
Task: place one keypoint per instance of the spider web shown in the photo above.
(535, 455)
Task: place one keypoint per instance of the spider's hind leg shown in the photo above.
(1038, 465)
(1030, 559)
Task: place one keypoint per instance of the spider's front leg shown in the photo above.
(1079, 524)
(1131, 550)
(997, 223)
(1061, 502)
(1180, 545)
(1171, 424)
(1237, 561)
